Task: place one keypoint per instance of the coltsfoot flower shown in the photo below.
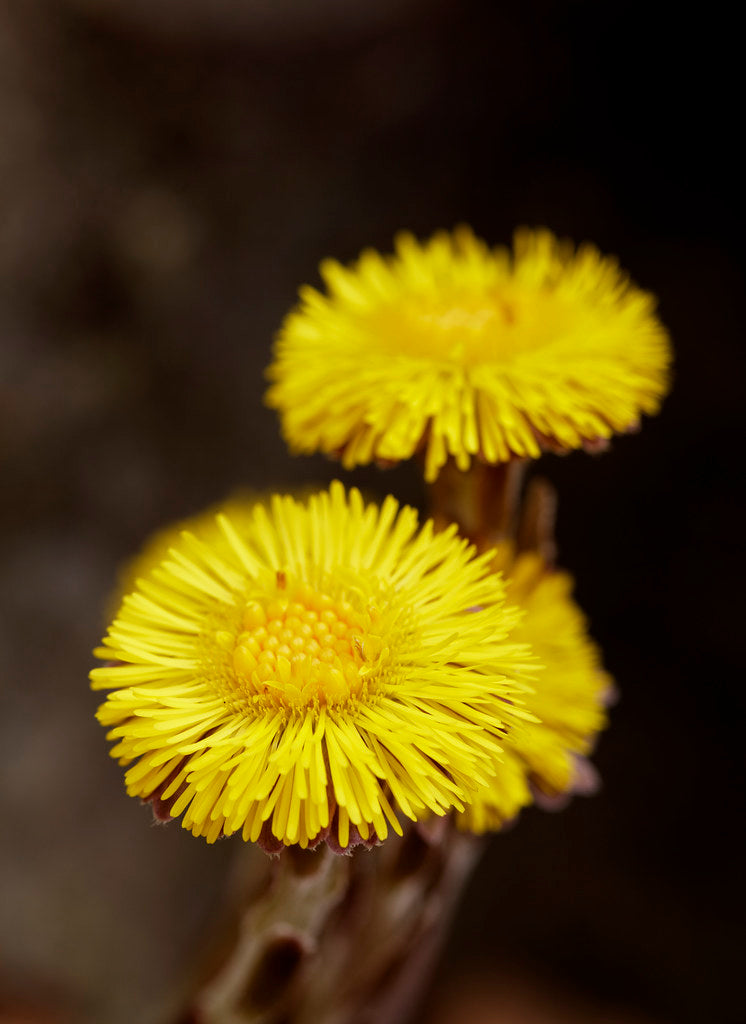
(312, 672)
(464, 351)
(571, 692)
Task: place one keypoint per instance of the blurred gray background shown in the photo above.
(170, 172)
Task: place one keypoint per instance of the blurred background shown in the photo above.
(170, 172)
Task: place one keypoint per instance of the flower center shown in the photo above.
(300, 647)
(469, 329)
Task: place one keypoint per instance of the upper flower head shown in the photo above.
(571, 691)
(467, 351)
(311, 671)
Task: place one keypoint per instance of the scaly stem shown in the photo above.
(330, 939)
(483, 501)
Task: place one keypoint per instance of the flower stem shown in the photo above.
(484, 501)
(329, 939)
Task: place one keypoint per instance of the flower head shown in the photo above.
(311, 672)
(466, 351)
(570, 695)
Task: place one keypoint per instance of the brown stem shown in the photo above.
(536, 522)
(483, 501)
(334, 939)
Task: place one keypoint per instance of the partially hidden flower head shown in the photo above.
(458, 350)
(313, 672)
(237, 508)
(547, 761)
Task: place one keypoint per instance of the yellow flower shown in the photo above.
(311, 672)
(569, 699)
(466, 351)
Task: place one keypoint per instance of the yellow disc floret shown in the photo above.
(305, 649)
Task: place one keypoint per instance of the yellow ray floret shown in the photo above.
(463, 351)
(315, 666)
(570, 694)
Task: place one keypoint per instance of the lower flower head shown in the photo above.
(312, 672)
(464, 351)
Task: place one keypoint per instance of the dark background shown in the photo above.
(169, 174)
